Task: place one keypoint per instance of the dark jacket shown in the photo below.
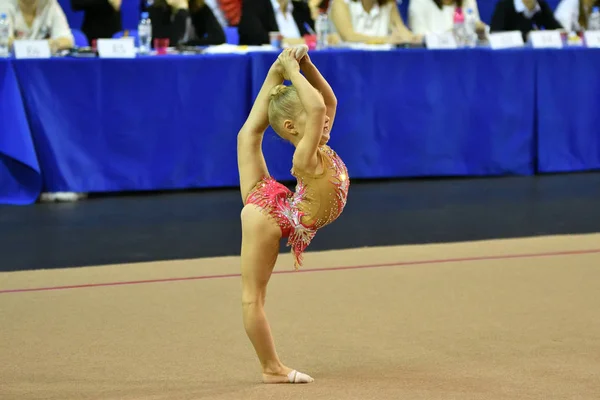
(506, 18)
(165, 24)
(100, 20)
(258, 19)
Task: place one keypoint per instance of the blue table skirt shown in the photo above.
(568, 109)
(171, 122)
(20, 179)
(102, 125)
(423, 113)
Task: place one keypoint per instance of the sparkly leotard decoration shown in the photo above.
(319, 200)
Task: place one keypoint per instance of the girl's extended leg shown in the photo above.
(251, 162)
(260, 247)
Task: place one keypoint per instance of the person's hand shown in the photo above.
(116, 4)
(400, 37)
(418, 39)
(481, 30)
(334, 39)
(300, 52)
(304, 61)
(287, 58)
(177, 4)
(53, 43)
(277, 67)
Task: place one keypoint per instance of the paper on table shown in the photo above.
(233, 49)
(365, 46)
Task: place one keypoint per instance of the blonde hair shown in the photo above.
(284, 104)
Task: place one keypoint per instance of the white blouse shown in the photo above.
(377, 22)
(567, 13)
(50, 21)
(285, 20)
(424, 16)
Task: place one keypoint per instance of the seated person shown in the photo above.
(437, 16)
(524, 16)
(190, 23)
(101, 18)
(259, 17)
(573, 15)
(370, 21)
(38, 20)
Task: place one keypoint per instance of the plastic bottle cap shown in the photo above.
(3, 15)
(144, 15)
(596, 9)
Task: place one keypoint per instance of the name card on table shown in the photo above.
(440, 41)
(546, 39)
(592, 39)
(506, 40)
(116, 48)
(32, 49)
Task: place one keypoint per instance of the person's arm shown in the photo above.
(314, 77)
(251, 28)
(61, 37)
(258, 119)
(340, 15)
(314, 107)
(480, 26)
(564, 13)
(303, 20)
(207, 27)
(548, 20)
(397, 23)
(499, 22)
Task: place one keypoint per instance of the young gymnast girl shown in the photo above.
(302, 114)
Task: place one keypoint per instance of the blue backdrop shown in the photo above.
(419, 112)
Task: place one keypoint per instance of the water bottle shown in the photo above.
(471, 28)
(4, 36)
(459, 27)
(145, 34)
(594, 20)
(322, 30)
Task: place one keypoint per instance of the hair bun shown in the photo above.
(277, 91)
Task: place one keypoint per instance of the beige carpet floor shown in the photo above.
(507, 319)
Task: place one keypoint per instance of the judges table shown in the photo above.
(103, 125)
(170, 122)
(20, 180)
(568, 109)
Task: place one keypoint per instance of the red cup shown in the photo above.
(94, 44)
(564, 36)
(311, 41)
(161, 46)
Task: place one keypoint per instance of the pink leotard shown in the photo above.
(319, 200)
